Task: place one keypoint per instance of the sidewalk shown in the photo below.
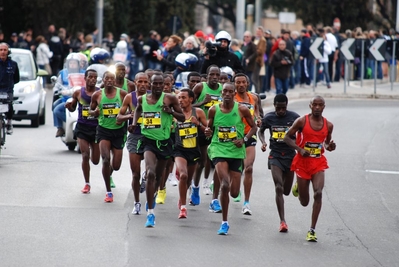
(353, 90)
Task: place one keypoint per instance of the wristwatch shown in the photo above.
(245, 139)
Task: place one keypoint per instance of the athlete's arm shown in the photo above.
(71, 105)
(201, 119)
(296, 126)
(328, 143)
(261, 135)
(197, 90)
(131, 86)
(246, 114)
(176, 112)
(94, 111)
(137, 114)
(258, 118)
(211, 116)
(122, 115)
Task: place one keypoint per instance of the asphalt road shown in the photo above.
(46, 221)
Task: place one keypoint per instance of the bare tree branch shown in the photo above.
(384, 13)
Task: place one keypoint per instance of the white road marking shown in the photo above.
(384, 172)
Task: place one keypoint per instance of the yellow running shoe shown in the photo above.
(161, 196)
(295, 190)
(311, 237)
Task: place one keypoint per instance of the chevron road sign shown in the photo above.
(377, 50)
(316, 48)
(348, 48)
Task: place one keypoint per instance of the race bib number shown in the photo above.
(85, 113)
(140, 121)
(111, 110)
(227, 134)
(250, 107)
(278, 133)
(151, 120)
(314, 149)
(215, 100)
(187, 130)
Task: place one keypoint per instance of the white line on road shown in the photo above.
(384, 172)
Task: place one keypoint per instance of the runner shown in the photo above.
(243, 97)
(135, 153)
(227, 149)
(187, 152)
(278, 122)
(309, 163)
(157, 110)
(110, 135)
(85, 130)
(206, 94)
(121, 81)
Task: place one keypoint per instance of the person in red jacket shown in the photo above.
(314, 135)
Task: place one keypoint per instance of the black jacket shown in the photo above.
(250, 54)
(222, 59)
(169, 61)
(9, 75)
(281, 71)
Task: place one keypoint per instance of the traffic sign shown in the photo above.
(377, 50)
(316, 47)
(348, 48)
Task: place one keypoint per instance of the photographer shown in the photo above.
(218, 54)
(281, 62)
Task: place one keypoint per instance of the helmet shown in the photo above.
(100, 55)
(83, 61)
(185, 60)
(229, 71)
(121, 44)
(72, 68)
(223, 35)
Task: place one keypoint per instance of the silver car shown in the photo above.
(29, 94)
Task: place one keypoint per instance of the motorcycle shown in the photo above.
(4, 101)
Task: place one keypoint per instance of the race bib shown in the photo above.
(250, 107)
(85, 113)
(111, 110)
(140, 121)
(314, 149)
(151, 120)
(278, 133)
(188, 133)
(227, 134)
(216, 99)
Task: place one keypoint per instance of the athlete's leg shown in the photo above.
(235, 183)
(85, 151)
(95, 153)
(200, 166)
(105, 151)
(222, 168)
(288, 178)
(277, 175)
(135, 166)
(303, 190)
(150, 164)
(318, 184)
(116, 159)
(248, 165)
(181, 164)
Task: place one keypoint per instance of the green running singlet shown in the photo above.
(109, 109)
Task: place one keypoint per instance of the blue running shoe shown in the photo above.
(215, 206)
(150, 221)
(224, 228)
(195, 197)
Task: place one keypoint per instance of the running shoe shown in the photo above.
(224, 228)
(294, 190)
(10, 129)
(143, 182)
(86, 189)
(172, 179)
(283, 227)
(137, 208)
(205, 188)
(160, 199)
(238, 198)
(183, 213)
(195, 197)
(246, 210)
(215, 206)
(150, 221)
(111, 182)
(109, 197)
(311, 237)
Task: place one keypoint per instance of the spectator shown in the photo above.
(190, 45)
(332, 41)
(153, 46)
(108, 43)
(13, 43)
(324, 61)
(78, 44)
(57, 48)
(249, 56)
(173, 49)
(281, 61)
(297, 65)
(260, 42)
(269, 70)
(43, 54)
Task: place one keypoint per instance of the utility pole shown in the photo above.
(99, 20)
(240, 24)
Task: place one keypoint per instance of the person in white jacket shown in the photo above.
(324, 61)
(43, 54)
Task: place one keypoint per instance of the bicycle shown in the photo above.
(4, 101)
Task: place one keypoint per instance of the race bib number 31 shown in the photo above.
(314, 149)
(227, 134)
(152, 120)
(111, 110)
(278, 133)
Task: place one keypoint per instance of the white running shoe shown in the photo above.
(205, 186)
(172, 179)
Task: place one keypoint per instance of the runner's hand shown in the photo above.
(331, 146)
(263, 147)
(304, 153)
(239, 142)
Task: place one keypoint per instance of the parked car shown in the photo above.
(29, 93)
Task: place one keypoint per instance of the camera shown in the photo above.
(211, 48)
(288, 60)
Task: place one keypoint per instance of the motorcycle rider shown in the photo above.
(72, 65)
(184, 62)
(99, 59)
(218, 54)
(9, 75)
(85, 130)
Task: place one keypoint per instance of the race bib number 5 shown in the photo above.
(227, 134)
(314, 149)
(111, 110)
(278, 133)
(152, 120)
